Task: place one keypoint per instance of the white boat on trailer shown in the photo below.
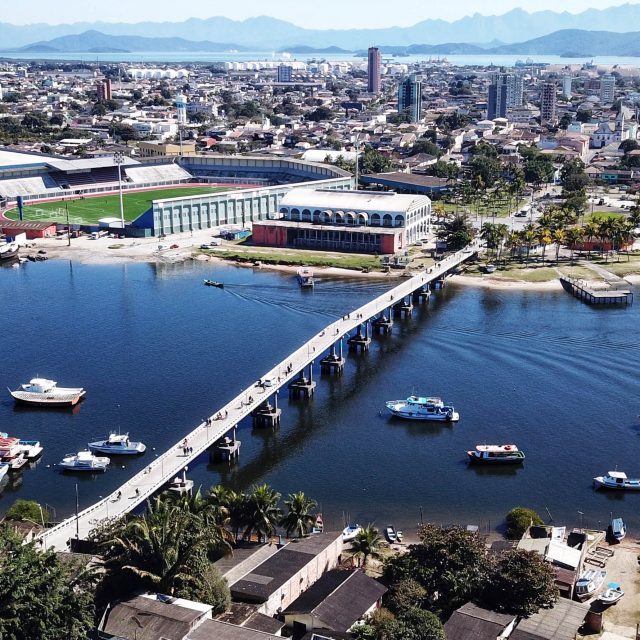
(84, 461)
(46, 393)
(423, 408)
(118, 445)
(616, 480)
(589, 582)
(350, 532)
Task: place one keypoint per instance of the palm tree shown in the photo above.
(591, 232)
(545, 239)
(558, 238)
(299, 518)
(263, 513)
(157, 549)
(574, 236)
(367, 544)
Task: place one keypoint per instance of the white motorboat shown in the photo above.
(118, 445)
(4, 469)
(612, 593)
(423, 408)
(496, 454)
(390, 534)
(30, 448)
(11, 453)
(46, 393)
(618, 529)
(84, 461)
(617, 480)
(305, 278)
(9, 251)
(350, 532)
(589, 582)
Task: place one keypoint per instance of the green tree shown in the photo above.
(414, 624)
(372, 161)
(27, 511)
(584, 115)
(486, 167)
(457, 232)
(425, 146)
(565, 121)
(262, 512)
(299, 518)
(366, 544)
(443, 169)
(404, 595)
(320, 114)
(521, 583)
(450, 563)
(40, 597)
(518, 521)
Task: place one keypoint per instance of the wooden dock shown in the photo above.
(582, 291)
(171, 464)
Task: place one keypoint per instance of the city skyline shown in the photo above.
(337, 15)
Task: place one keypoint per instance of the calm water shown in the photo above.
(157, 351)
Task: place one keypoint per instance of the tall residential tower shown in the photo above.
(410, 97)
(373, 84)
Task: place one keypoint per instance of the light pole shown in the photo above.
(356, 144)
(581, 513)
(118, 158)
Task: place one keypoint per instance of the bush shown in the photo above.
(518, 521)
(26, 511)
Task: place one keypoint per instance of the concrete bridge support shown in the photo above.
(383, 323)
(267, 414)
(333, 362)
(360, 341)
(303, 387)
(403, 309)
(227, 449)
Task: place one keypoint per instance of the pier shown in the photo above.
(217, 434)
(582, 291)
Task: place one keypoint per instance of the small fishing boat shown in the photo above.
(390, 534)
(214, 283)
(399, 535)
(45, 393)
(616, 480)
(617, 529)
(305, 278)
(9, 251)
(612, 593)
(589, 582)
(423, 408)
(496, 454)
(84, 461)
(4, 469)
(350, 532)
(30, 448)
(118, 445)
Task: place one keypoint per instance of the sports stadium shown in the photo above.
(160, 195)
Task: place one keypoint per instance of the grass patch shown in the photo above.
(343, 261)
(622, 268)
(536, 274)
(90, 209)
(599, 216)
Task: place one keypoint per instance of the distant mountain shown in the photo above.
(570, 41)
(96, 42)
(301, 48)
(268, 34)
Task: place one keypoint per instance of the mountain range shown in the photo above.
(266, 34)
(566, 42)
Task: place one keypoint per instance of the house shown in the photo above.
(279, 580)
(560, 623)
(216, 630)
(33, 228)
(334, 603)
(471, 622)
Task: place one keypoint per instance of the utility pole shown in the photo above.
(118, 158)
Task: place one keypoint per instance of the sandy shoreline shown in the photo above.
(105, 251)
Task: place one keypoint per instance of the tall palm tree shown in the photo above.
(574, 236)
(299, 518)
(529, 236)
(263, 513)
(545, 239)
(367, 544)
(156, 550)
(559, 238)
(591, 233)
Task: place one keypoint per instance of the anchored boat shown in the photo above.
(214, 283)
(305, 278)
(118, 445)
(45, 393)
(496, 454)
(616, 480)
(421, 408)
(84, 461)
(11, 453)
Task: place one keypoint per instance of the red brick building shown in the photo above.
(34, 229)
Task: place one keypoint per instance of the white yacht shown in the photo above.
(617, 480)
(84, 461)
(118, 445)
(11, 453)
(4, 469)
(496, 454)
(421, 408)
(46, 393)
(30, 448)
(350, 532)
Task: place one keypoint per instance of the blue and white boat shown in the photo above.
(618, 529)
(616, 480)
(118, 445)
(423, 408)
(305, 278)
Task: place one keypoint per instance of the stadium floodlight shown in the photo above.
(118, 158)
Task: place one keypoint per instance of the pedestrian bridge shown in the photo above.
(289, 373)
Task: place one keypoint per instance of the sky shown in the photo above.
(339, 14)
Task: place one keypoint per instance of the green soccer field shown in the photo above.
(90, 210)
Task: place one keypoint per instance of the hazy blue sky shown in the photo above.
(324, 14)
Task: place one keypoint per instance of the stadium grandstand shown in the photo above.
(41, 180)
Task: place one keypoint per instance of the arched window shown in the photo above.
(294, 214)
(326, 217)
(338, 217)
(306, 215)
(317, 216)
(351, 218)
(387, 221)
(399, 221)
(362, 219)
(375, 220)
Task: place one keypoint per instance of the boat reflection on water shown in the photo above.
(494, 470)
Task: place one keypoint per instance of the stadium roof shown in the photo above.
(10, 159)
(382, 201)
(13, 159)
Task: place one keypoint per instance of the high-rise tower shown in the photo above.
(373, 71)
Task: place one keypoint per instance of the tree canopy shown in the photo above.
(519, 519)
